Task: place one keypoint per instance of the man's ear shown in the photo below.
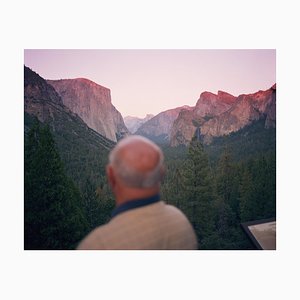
(111, 176)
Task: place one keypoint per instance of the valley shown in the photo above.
(233, 137)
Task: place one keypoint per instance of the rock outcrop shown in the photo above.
(218, 115)
(92, 103)
(159, 127)
(134, 123)
(210, 105)
(42, 101)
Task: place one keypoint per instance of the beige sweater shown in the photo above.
(155, 226)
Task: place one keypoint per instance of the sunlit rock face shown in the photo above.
(92, 102)
(221, 114)
(43, 102)
(210, 104)
(161, 124)
(271, 110)
(134, 123)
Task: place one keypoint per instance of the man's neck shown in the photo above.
(129, 194)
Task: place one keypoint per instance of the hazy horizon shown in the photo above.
(151, 81)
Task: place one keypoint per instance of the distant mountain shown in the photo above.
(221, 114)
(134, 123)
(159, 127)
(80, 147)
(92, 103)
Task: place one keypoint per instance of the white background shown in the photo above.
(149, 274)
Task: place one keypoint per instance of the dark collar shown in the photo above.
(135, 204)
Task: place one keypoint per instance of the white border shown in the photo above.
(138, 25)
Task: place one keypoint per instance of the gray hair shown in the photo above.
(132, 177)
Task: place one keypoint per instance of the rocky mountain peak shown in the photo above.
(35, 87)
(226, 97)
(221, 114)
(88, 82)
(159, 127)
(211, 98)
(92, 102)
(134, 123)
(210, 104)
(149, 116)
(206, 97)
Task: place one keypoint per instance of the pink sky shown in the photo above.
(151, 81)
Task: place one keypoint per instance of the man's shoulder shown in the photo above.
(136, 225)
(174, 210)
(177, 215)
(93, 240)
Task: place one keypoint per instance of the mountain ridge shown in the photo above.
(158, 127)
(221, 114)
(92, 102)
(76, 142)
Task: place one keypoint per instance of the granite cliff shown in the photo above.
(43, 102)
(91, 102)
(221, 114)
(159, 127)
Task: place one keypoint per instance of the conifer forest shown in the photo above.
(217, 186)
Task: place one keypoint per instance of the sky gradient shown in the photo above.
(151, 81)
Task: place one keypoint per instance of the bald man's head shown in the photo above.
(137, 162)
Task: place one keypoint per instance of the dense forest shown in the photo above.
(66, 194)
(218, 198)
(217, 186)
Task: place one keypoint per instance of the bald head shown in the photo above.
(137, 162)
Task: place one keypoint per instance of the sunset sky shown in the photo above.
(151, 81)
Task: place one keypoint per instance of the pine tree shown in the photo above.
(53, 213)
(199, 194)
(247, 201)
(258, 189)
(227, 185)
(270, 204)
(107, 201)
(225, 178)
(92, 204)
(264, 181)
